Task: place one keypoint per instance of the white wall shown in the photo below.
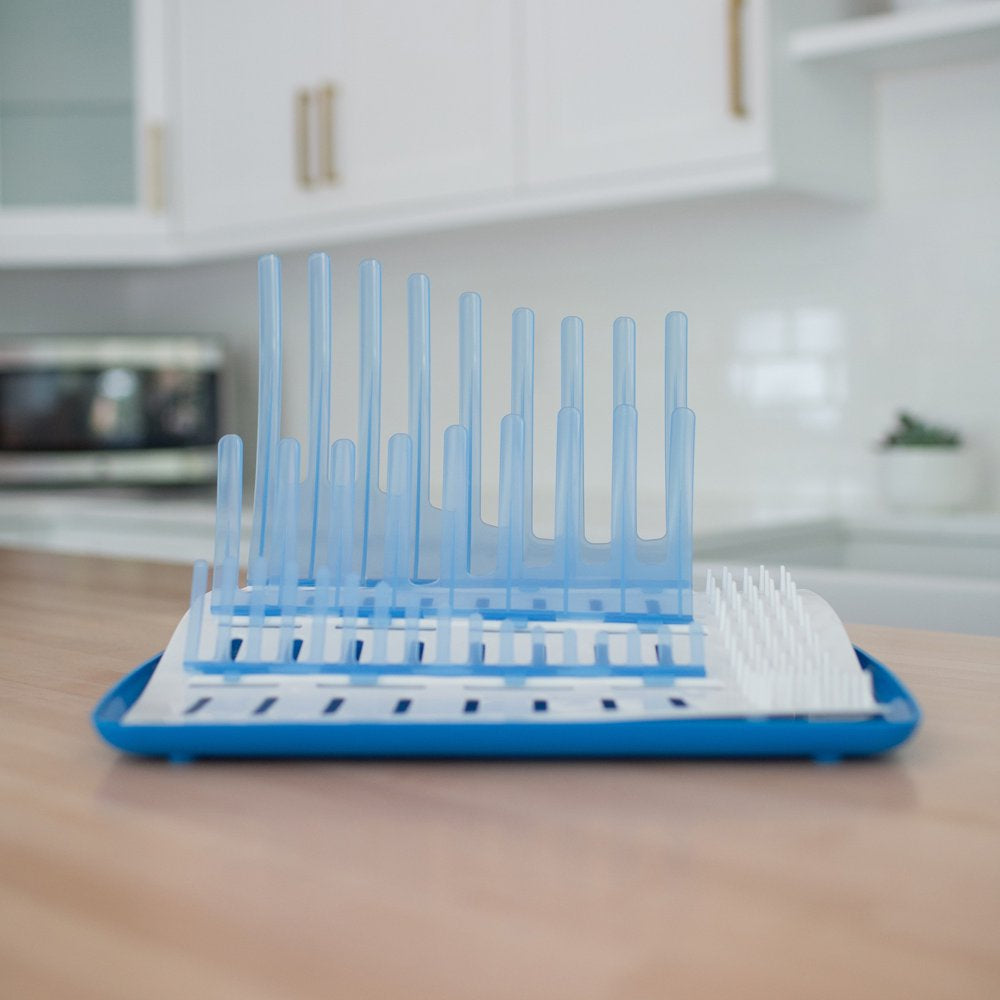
(810, 323)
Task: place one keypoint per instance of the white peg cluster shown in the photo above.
(765, 635)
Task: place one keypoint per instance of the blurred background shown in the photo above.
(816, 184)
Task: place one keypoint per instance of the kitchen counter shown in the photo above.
(172, 525)
(126, 878)
(178, 524)
(919, 571)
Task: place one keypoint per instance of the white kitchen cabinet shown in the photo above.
(312, 122)
(427, 102)
(631, 86)
(906, 38)
(83, 130)
(313, 114)
(249, 74)
(424, 116)
(628, 99)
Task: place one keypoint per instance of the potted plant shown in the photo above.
(926, 468)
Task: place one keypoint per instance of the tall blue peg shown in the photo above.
(522, 397)
(470, 364)
(369, 397)
(320, 371)
(268, 403)
(419, 324)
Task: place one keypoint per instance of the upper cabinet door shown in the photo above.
(83, 130)
(424, 108)
(82, 105)
(67, 104)
(640, 85)
(311, 108)
(248, 78)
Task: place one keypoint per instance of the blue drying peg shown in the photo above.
(454, 503)
(369, 397)
(412, 654)
(569, 496)
(228, 519)
(475, 650)
(320, 611)
(680, 502)
(539, 653)
(287, 511)
(511, 527)
(522, 400)
(320, 372)
(623, 365)
(268, 400)
(442, 637)
(196, 611)
(676, 362)
(571, 369)
(228, 525)
(623, 496)
(396, 563)
(380, 621)
(470, 393)
(419, 325)
(341, 530)
(350, 599)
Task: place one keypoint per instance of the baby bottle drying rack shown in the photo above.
(374, 622)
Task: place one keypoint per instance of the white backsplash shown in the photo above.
(811, 323)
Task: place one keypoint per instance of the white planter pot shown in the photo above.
(929, 479)
(913, 4)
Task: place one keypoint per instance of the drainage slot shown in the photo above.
(402, 706)
(296, 648)
(234, 648)
(471, 706)
(332, 705)
(540, 705)
(264, 706)
(678, 703)
(359, 645)
(609, 703)
(199, 704)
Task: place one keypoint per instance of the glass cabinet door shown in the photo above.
(67, 104)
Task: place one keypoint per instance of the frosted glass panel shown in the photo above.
(67, 115)
(78, 157)
(59, 50)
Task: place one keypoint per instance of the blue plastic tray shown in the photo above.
(742, 737)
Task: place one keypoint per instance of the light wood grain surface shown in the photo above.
(122, 878)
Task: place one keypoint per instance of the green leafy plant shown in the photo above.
(911, 432)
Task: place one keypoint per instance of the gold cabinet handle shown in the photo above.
(737, 105)
(325, 99)
(303, 100)
(155, 193)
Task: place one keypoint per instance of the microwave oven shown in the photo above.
(109, 409)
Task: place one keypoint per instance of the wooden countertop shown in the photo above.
(127, 878)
